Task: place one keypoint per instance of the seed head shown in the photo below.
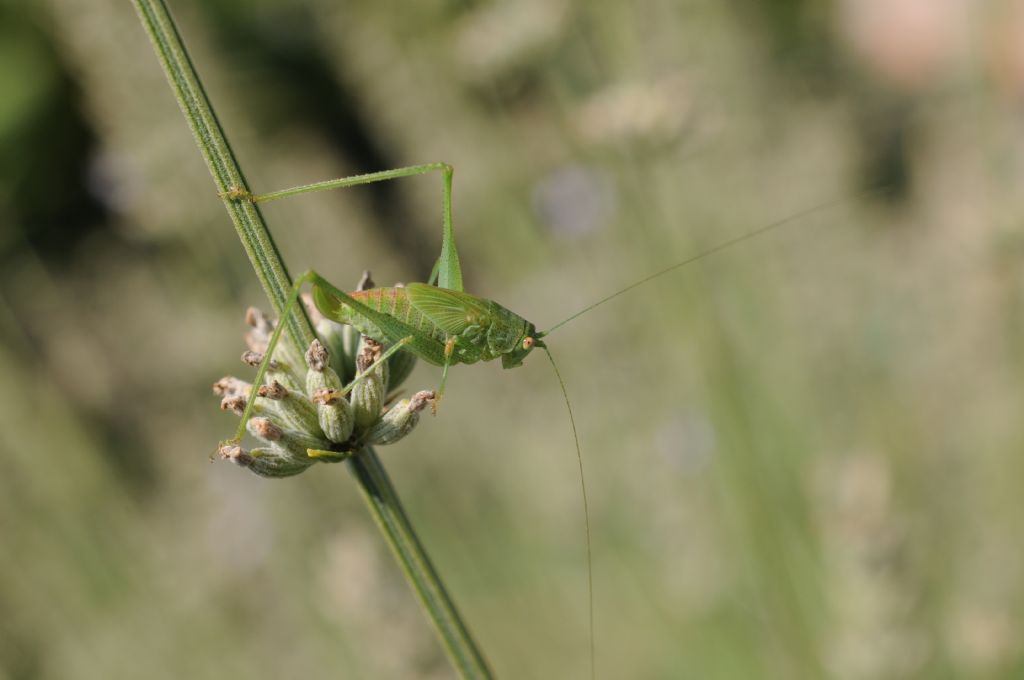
(317, 419)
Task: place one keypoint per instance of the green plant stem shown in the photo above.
(266, 261)
(227, 175)
(394, 523)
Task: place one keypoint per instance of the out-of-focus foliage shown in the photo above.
(803, 453)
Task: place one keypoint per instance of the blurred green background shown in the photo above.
(803, 454)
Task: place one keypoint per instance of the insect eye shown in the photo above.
(528, 342)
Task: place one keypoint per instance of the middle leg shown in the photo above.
(449, 271)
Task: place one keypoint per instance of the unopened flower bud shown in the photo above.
(400, 420)
(294, 409)
(334, 417)
(293, 443)
(266, 429)
(263, 462)
(275, 370)
(368, 394)
(320, 375)
(335, 414)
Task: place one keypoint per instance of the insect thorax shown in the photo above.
(506, 332)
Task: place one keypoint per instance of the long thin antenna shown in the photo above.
(586, 511)
(721, 246)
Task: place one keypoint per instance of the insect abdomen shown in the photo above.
(395, 303)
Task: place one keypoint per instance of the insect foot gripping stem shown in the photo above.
(236, 194)
(313, 416)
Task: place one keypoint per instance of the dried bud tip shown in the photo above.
(364, 360)
(252, 358)
(230, 386)
(228, 451)
(236, 454)
(326, 396)
(366, 282)
(234, 404)
(257, 319)
(420, 400)
(265, 429)
(370, 342)
(370, 353)
(274, 390)
(317, 356)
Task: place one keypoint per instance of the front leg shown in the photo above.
(449, 352)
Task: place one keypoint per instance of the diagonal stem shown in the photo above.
(380, 495)
(227, 175)
(266, 261)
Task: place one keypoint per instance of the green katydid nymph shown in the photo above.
(437, 321)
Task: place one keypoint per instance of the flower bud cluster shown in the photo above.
(308, 411)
